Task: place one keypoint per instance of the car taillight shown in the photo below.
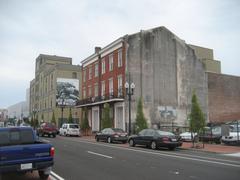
(52, 151)
(165, 139)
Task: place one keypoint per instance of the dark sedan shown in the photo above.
(154, 139)
(111, 135)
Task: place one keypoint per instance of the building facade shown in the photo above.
(102, 82)
(223, 98)
(53, 74)
(164, 69)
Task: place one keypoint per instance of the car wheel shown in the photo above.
(54, 135)
(97, 139)
(109, 140)
(131, 143)
(153, 145)
(65, 134)
(124, 142)
(43, 175)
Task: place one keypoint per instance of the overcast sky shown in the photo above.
(73, 28)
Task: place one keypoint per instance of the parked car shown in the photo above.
(211, 135)
(69, 129)
(233, 138)
(155, 138)
(187, 136)
(21, 151)
(48, 129)
(112, 135)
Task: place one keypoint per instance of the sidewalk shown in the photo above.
(215, 148)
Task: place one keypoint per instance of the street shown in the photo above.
(80, 159)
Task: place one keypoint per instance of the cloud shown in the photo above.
(73, 28)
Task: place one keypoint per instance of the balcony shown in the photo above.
(100, 100)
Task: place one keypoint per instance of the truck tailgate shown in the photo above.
(27, 156)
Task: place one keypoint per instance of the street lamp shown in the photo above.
(129, 92)
(63, 104)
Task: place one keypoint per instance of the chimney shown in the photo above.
(97, 49)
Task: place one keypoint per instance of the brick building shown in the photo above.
(223, 98)
(102, 82)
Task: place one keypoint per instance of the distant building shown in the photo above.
(55, 88)
(206, 56)
(18, 110)
(3, 114)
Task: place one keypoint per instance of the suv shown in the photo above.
(47, 129)
(69, 129)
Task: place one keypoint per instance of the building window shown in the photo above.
(103, 66)
(84, 75)
(120, 58)
(96, 90)
(111, 87)
(110, 62)
(90, 72)
(120, 85)
(103, 88)
(74, 75)
(96, 70)
(51, 81)
(84, 93)
(89, 91)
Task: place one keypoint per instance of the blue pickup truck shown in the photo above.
(22, 151)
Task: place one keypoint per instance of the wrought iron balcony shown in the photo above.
(103, 98)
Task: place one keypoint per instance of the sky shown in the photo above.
(73, 28)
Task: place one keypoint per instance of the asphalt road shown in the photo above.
(76, 159)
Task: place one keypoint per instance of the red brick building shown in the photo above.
(223, 98)
(102, 82)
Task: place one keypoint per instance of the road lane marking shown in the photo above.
(168, 153)
(194, 158)
(44, 140)
(90, 152)
(55, 176)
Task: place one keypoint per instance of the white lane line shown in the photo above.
(160, 153)
(55, 176)
(168, 155)
(44, 140)
(90, 152)
(233, 154)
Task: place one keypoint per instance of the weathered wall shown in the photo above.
(191, 78)
(224, 97)
(165, 71)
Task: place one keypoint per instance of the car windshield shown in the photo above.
(164, 133)
(118, 130)
(73, 126)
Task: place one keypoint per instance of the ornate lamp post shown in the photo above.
(129, 92)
